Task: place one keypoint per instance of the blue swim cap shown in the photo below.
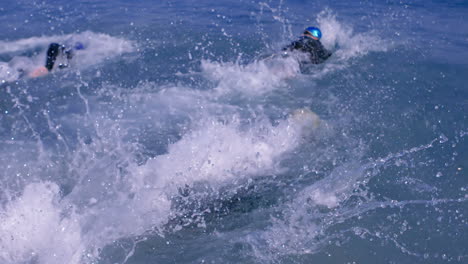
(79, 46)
(314, 31)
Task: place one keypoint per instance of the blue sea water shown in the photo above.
(170, 139)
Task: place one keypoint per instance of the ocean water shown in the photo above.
(175, 137)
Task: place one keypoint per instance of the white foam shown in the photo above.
(8, 73)
(29, 43)
(343, 41)
(222, 151)
(98, 48)
(214, 151)
(256, 78)
(335, 188)
(304, 222)
(34, 226)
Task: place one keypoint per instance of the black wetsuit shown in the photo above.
(53, 52)
(317, 53)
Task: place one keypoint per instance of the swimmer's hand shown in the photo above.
(41, 71)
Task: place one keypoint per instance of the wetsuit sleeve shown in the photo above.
(323, 53)
(52, 54)
(315, 56)
(319, 54)
(295, 45)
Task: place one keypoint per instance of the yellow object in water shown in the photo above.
(305, 118)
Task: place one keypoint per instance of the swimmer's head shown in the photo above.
(313, 32)
(79, 46)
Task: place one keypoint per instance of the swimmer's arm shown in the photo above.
(41, 71)
(324, 53)
(293, 46)
(52, 53)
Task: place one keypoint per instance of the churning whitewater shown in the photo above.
(181, 132)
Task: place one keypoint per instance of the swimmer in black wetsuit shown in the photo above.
(55, 51)
(310, 44)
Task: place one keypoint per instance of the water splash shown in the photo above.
(99, 47)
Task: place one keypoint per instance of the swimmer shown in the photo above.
(57, 53)
(309, 43)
